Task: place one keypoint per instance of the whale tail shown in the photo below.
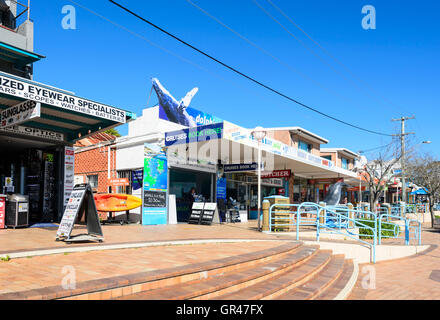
(184, 103)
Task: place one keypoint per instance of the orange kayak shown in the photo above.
(114, 202)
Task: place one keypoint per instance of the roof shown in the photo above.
(342, 150)
(302, 133)
(18, 56)
(95, 139)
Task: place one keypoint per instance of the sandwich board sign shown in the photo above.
(81, 202)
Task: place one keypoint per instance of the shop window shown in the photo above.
(93, 181)
(344, 163)
(305, 146)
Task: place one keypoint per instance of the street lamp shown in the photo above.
(259, 134)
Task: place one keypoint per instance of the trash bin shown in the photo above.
(2, 210)
(17, 211)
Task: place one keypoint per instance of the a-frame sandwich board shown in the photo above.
(81, 202)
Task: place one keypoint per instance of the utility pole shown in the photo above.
(402, 159)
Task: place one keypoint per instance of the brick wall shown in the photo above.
(95, 162)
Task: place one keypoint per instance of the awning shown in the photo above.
(18, 56)
(234, 145)
(61, 111)
(420, 191)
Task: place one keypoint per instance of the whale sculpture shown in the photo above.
(175, 110)
(334, 194)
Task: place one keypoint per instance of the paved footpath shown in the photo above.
(413, 278)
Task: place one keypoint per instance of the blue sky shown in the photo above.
(393, 70)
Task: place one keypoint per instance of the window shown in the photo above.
(304, 146)
(327, 157)
(344, 163)
(93, 181)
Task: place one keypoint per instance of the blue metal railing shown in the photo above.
(351, 222)
(332, 219)
(396, 229)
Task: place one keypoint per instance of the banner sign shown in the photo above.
(199, 118)
(69, 172)
(155, 185)
(195, 134)
(136, 179)
(240, 167)
(2, 211)
(276, 174)
(120, 182)
(221, 188)
(32, 91)
(35, 132)
(20, 113)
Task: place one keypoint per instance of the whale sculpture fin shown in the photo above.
(184, 103)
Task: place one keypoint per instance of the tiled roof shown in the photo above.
(95, 139)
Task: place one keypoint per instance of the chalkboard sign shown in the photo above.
(209, 210)
(81, 202)
(196, 213)
(155, 199)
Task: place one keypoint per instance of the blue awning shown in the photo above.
(18, 56)
(420, 191)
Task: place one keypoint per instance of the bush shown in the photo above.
(387, 229)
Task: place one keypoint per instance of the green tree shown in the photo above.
(113, 132)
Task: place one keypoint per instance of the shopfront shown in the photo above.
(39, 125)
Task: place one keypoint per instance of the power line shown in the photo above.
(283, 63)
(242, 74)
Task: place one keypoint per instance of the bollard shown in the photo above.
(322, 214)
(266, 224)
(350, 215)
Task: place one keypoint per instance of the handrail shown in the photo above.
(417, 229)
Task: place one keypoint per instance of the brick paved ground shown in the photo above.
(45, 271)
(416, 277)
(37, 238)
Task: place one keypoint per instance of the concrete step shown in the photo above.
(319, 283)
(340, 284)
(225, 283)
(278, 285)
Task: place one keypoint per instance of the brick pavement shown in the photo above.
(409, 278)
(45, 271)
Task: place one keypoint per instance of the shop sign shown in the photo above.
(35, 132)
(120, 182)
(31, 91)
(155, 186)
(20, 113)
(240, 167)
(69, 172)
(195, 134)
(136, 178)
(276, 174)
(2, 212)
(221, 188)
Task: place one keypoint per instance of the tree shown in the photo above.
(424, 171)
(113, 132)
(378, 172)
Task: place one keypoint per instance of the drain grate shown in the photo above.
(435, 275)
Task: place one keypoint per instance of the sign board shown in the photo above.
(196, 213)
(69, 172)
(9, 182)
(120, 182)
(221, 188)
(136, 179)
(81, 202)
(20, 113)
(276, 174)
(155, 199)
(32, 91)
(240, 167)
(155, 186)
(2, 211)
(35, 132)
(210, 214)
(195, 134)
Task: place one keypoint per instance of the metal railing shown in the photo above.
(359, 225)
(396, 229)
(332, 219)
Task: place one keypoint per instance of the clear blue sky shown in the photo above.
(399, 61)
